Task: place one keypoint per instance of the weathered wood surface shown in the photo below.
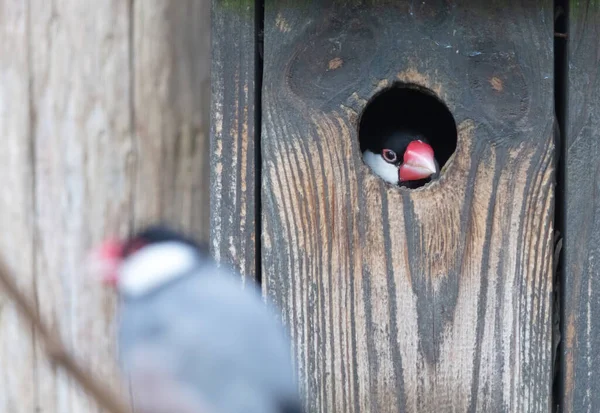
(104, 127)
(80, 132)
(581, 325)
(233, 138)
(171, 111)
(433, 300)
(17, 353)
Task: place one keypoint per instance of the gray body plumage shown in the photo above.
(209, 342)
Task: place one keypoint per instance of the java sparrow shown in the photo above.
(192, 338)
(402, 158)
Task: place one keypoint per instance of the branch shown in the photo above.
(57, 353)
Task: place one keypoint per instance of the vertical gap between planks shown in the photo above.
(561, 26)
(259, 18)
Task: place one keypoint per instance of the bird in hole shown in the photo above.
(192, 337)
(403, 158)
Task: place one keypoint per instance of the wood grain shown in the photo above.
(581, 327)
(105, 127)
(233, 143)
(437, 299)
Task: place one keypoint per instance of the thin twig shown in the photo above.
(57, 353)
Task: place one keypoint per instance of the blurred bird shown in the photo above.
(191, 338)
(402, 158)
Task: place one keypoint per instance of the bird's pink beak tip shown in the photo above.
(419, 162)
(104, 261)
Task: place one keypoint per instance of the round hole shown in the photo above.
(416, 126)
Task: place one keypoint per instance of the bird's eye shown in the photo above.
(389, 155)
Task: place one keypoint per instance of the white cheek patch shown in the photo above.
(386, 171)
(155, 265)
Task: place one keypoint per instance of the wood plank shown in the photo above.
(233, 154)
(581, 327)
(104, 118)
(171, 77)
(82, 133)
(437, 299)
(17, 356)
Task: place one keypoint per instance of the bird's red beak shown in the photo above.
(419, 162)
(106, 259)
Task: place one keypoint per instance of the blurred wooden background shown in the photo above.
(104, 117)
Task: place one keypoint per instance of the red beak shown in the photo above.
(419, 162)
(106, 260)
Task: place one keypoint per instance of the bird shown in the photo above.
(192, 336)
(402, 157)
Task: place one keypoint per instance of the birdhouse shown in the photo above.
(401, 295)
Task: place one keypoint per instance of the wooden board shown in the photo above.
(437, 299)
(17, 209)
(581, 326)
(81, 134)
(233, 154)
(105, 126)
(171, 108)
